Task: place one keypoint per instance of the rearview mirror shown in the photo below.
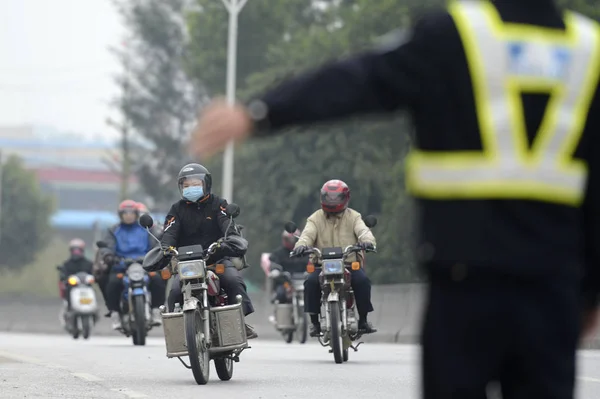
(290, 227)
(101, 244)
(232, 210)
(370, 221)
(146, 221)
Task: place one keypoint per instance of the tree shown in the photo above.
(159, 103)
(25, 219)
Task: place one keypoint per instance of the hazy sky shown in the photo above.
(55, 67)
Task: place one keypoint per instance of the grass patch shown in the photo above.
(40, 278)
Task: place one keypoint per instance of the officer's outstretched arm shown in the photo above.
(308, 236)
(385, 79)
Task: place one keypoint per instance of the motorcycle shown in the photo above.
(290, 318)
(135, 312)
(339, 318)
(82, 314)
(209, 326)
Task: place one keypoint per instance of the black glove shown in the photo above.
(109, 259)
(367, 246)
(300, 250)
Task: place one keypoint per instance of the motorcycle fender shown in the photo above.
(190, 304)
(80, 294)
(333, 297)
(138, 291)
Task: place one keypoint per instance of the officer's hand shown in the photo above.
(109, 259)
(299, 251)
(274, 273)
(367, 246)
(218, 124)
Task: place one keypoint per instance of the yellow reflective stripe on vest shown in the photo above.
(507, 168)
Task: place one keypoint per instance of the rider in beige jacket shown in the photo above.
(336, 225)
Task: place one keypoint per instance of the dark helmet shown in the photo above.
(194, 172)
(335, 196)
(289, 240)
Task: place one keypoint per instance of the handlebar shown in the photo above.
(348, 250)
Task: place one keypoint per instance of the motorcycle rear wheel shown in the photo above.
(197, 350)
(224, 367)
(303, 326)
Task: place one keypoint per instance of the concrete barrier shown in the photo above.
(397, 316)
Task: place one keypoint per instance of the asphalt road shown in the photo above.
(56, 366)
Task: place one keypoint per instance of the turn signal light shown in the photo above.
(165, 274)
(220, 268)
(119, 275)
(310, 268)
(72, 280)
(355, 265)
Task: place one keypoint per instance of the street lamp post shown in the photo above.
(233, 9)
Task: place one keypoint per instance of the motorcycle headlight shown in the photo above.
(89, 279)
(333, 267)
(191, 269)
(135, 273)
(73, 280)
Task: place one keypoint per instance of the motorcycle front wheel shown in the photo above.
(302, 326)
(196, 345)
(336, 331)
(139, 312)
(86, 326)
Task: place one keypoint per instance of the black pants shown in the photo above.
(522, 334)
(231, 281)
(361, 285)
(114, 289)
(102, 283)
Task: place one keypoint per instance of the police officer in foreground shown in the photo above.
(506, 172)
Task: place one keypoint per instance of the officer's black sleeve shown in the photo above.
(171, 229)
(382, 80)
(591, 213)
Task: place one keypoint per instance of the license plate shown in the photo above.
(85, 301)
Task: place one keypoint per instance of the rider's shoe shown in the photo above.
(250, 333)
(314, 330)
(116, 321)
(156, 317)
(366, 327)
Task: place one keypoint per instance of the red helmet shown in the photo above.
(288, 240)
(335, 196)
(142, 208)
(128, 206)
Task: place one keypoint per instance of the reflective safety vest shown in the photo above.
(505, 60)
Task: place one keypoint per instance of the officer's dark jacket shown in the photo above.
(76, 265)
(197, 223)
(428, 76)
(281, 256)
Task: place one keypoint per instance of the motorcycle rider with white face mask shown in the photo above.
(199, 218)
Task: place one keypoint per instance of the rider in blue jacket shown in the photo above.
(128, 239)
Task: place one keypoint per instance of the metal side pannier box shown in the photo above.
(230, 331)
(284, 315)
(174, 330)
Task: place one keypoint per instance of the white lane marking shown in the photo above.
(129, 393)
(32, 360)
(87, 377)
(589, 379)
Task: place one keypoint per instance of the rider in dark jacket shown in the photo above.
(199, 218)
(76, 263)
(281, 262)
